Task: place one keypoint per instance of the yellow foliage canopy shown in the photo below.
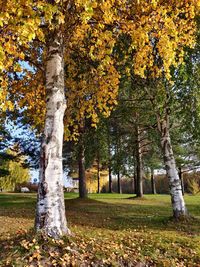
(159, 32)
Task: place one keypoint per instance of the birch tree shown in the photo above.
(50, 215)
(178, 203)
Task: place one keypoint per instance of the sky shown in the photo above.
(35, 178)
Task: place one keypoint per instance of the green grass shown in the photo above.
(109, 230)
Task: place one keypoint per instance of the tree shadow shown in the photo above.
(98, 214)
(101, 214)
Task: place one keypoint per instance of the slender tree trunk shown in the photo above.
(153, 184)
(135, 174)
(50, 214)
(135, 184)
(98, 173)
(178, 203)
(109, 166)
(139, 164)
(119, 162)
(81, 165)
(181, 179)
(119, 188)
(110, 179)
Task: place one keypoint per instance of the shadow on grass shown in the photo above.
(93, 213)
(8, 200)
(103, 214)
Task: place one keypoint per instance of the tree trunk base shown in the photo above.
(137, 197)
(83, 197)
(185, 218)
(45, 234)
(182, 218)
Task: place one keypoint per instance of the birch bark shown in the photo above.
(178, 203)
(50, 213)
(180, 174)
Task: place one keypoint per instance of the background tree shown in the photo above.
(13, 172)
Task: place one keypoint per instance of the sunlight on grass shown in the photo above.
(109, 229)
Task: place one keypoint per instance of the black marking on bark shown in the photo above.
(167, 167)
(48, 139)
(59, 104)
(167, 145)
(44, 188)
(42, 220)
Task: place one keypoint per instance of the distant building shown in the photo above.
(75, 184)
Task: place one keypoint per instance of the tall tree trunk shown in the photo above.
(181, 179)
(81, 165)
(135, 174)
(178, 203)
(119, 188)
(50, 214)
(153, 184)
(119, 161)
(110, 179)
(135, 184)
(139, 163)
(109, 165)
(98, 173)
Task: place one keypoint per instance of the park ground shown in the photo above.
(108, 230)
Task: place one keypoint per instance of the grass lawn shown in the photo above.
(108, 230)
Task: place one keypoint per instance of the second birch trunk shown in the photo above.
(178, 203)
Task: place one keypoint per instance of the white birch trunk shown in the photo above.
(178, 203)
(50, 215)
